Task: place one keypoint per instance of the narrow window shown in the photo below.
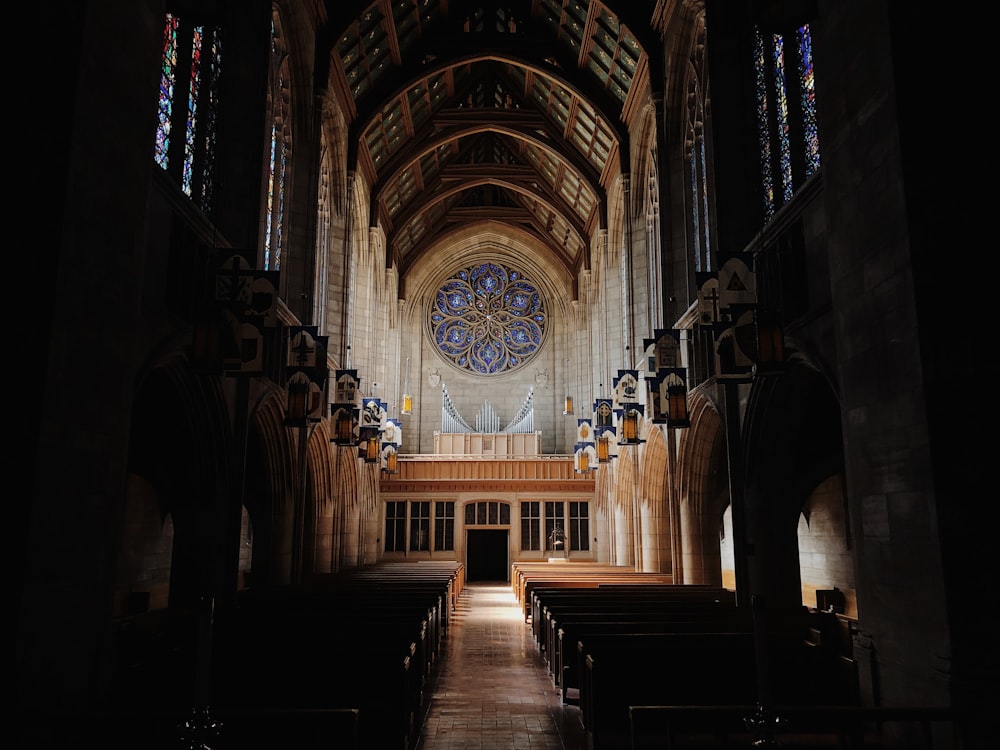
(579, 526)
(555, 527)
(531, 526)
(420, 526)
(190, 71)
(395, 526)
(763, 138)
(653, 261)
(444, 525)
(788, 135)
(168, 80)
(278, 102)
(810, 131)
(324, 214)
(696, 158)
(781, 105)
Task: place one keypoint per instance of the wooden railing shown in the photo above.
(424, 473)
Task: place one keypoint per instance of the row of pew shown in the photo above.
(800, 727)
(613, 641)
(365, 641)
(525, 576)
(344, 661)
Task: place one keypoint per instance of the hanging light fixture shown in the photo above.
(391, 460)
(392, 439)
(628, 409)
(584, 458)
(407, 407)
(630, 427)
(370, 448)
(307, 375)
(604, 426)
(603, 448)
(568, 402)
(343, 426)
(298, 400)
(672, 396)
(677, 406)
(373, 422)
(344, 409)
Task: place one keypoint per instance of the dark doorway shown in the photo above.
(486, 555)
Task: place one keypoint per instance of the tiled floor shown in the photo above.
(492, 690)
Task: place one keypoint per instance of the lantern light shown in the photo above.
(630, 427)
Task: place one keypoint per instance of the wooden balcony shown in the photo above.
(453, 473)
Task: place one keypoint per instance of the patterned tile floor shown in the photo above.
(492, 690)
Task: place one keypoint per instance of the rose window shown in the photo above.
(487, 319)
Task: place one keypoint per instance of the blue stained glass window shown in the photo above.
(269, 218)
(762, 127)
(695, 215)
(808, 87)
(194, 91)
(781, 99)
(188, 107)
(487, 319)
(210, 118)
(281, 146)
(168, 74)
(705, 253)
(792, 113)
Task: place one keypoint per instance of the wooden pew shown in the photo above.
(157, 729)
(795, 726)
(620, 610)
(374, 665)
(570, 575)
(365, 640)
(646, 669)
(553, 610)
(574, 632)
(710, 668)
(548, 604)
(522, 572)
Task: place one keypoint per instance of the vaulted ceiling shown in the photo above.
(514, 112)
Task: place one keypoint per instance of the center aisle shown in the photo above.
(492, 690)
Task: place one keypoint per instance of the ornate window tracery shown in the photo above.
(488, 319)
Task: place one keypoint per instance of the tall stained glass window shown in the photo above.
(697, 159)
(808, 100)
(781, 103)
(190, 72)
(763, 135)
(653, 309)
(324, 214)
(279, 107)
(488, 319)
(168, 77)
(786, 111)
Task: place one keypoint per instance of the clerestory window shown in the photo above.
(786, 114)
(279, 147)
(190, 73)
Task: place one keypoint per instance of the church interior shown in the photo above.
(338, 287)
